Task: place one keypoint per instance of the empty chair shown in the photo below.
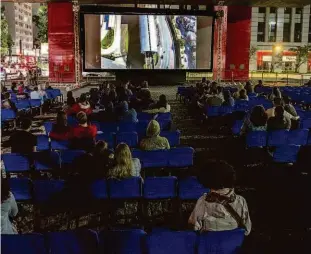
(164, 116)
(159, 187)
(35, 103)
(44, 190)
(286, 154)
(256, 139)
(107, 137)
(127, 127)
(23, 243)
(43, 143)
(68, 156)
(306, 123)
(122, 241)
(298, 137)
(224, 242)
(48, 127)
(59, 144)
(190, 189)
(237, 126)
(83, 241)
(22, 104)
(46, 160)
(143, 116)
(108, 127)
(180, 157)
(14, 162)
(20, 188)
(7, 115)
(141, 128)
(173, 137)
(129, 138)
(129, 188)
(277, 138)
(181, 242)
(54, 93)
(152, 159)
(99, 189)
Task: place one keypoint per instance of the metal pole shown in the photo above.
(76, 10)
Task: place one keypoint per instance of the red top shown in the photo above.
(76, 108)
(59, 136)
(83, 132)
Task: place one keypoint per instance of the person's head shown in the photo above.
(259, 116)
(7, 96)
(260, 82)
(82, 118)
(277, 101)
(113, 94)
(5, 189)
(101, 147)
(61, 118)
(123, 160)
(162, 101)
(287, 99)
(276, 92)
(204, 80)
(83, 98)
(26, 124)
(14, 85)
(153, 129)
(242, 94)
(227, 95)
(279, 112)
(124, 106)
(217, 175)
(144, 84)
(36, 89)
(69, 94)
(219, 89)
(249, 87)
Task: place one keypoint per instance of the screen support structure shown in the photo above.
(219, 43)
(76, 10)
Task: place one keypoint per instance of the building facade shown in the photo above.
(273, 32)
(19, 17)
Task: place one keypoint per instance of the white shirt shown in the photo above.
(8, 209)
(271, 113)
(35, 95)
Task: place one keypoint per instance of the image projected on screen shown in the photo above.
(147, 41)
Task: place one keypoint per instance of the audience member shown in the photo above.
(102, 158)
(214, 99)
(258, 86)
(154, 141)
(242, 95)
(9, 208)
(22, 141)
(278, 102)
(108, 115)
(124, 165)
(249, 88)
(280, 121)
(70, 99)
(288, 106)
(228, 99)
(257, 121)
(276, 93)
(83, 105)
(35, 95)
(60, 130)
(7, 103)
(220, 209)
(160, 107)
(126, 114)
(14, 87)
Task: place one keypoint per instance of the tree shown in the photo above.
(4, 33)
(302, 53)
(41, 22)
(252, 52)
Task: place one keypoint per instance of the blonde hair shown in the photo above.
(123, 160)
(153, 129)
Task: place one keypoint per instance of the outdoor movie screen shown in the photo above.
(147, 42)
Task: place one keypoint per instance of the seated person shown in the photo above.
(14, 87)
(126, 114)
(83, 105)
(102, 158)
(7, 103)
(153, 141)
(280, 121)
(60, 130)
(249, 88)
(9, 208)
(160, 107)
(278, 102)
(35, 95)
(257, 121)
(22, 141)
(108, 115)
(258, 86)
(242, 95)
(124, 165)
(214, 99)
(220, 209)
(228, 99)
(70, 99)
(289, 107)
(276, 93)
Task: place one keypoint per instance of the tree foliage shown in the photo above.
(302, 53)
(4, 33)
(41, 22)
(252, 51)
(108, 39)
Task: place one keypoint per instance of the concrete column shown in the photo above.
(292, 25)
(305, 25)
(279, 24)
(267, 24)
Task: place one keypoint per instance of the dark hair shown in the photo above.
(217, 174)
(25, 123)
(5, 189)
(6, 96)
(83, 98)
(61, 123)
(286, 99)
(69, 94)
(162, 103)
(82, 117)
(227, 96)
(144, 84)
(113, 95)
(279, 112)
(101, 147)
(259, 81)
(242, 94)
(203, 79)
(219, 89)
(249, 87)
(36, 88)
(259, 116)
(277, 101)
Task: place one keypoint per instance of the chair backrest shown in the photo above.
(167, 242)
(286, 153)
(212, 111)
(23, 243)
(99, 189)
(68, 156)
(225, 110)
(122, 241)
(35, 103)
(256, 139)
(83, 241)
(306, 123)
(20, 188)
(152, 159)
(59, 144)
(224, 242)
(298, 137)
(159, 187)
(129, 188)
(173, 137)
(108, 127)
(127, 127)
(143, 116)
(130, 138)
(108, 137)
(43, 143)
(277, 138)
(237, 126)
(180, 157)
(46, 161)
(22, 104)
(72, 121)
(46, 189)
(141, 128)
(14, 162)
(190, 189)
(164, 116)
(48, 126)
(7, 114)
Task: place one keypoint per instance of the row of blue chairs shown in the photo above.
(113, 139)
(123, 241)
(51, 94)
(180, 157)
(151, 188)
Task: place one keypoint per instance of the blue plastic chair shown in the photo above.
(286, 154)
(190, 189)
(212, 111)
(122, 241)
(54, 93)
(152, 159)
(225, 110)
(83, 241)
(167, 242)
(43, 143)
(237, 126)
(20, 188)
(159, 187)
(7, 115)
(23, 243)
(68, 156)
(45, 161)
(35, 103)
(127, 127)
(14, 162)
(180, 157)
(165, 124)
(46, 189)
(306, 123)
(107, 137)
(141, 128)
(173, 137)
(309, 139)
(108, 127)
(164, 116)
(72, 121)
(277, 138)
(256, 139)
(22, 104)
(48, 126)
(129, 188)
(99, 189)
(224, 242)
(142, 116)
(59, 144)
(298, 137)
(129, 138)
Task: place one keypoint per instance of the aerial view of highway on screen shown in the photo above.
(148, 42)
